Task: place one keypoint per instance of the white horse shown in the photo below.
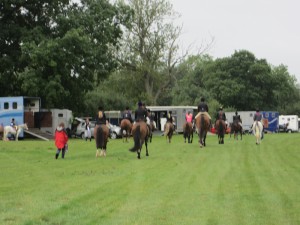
(257, 128)
(11, 130)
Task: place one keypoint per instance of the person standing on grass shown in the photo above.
(87, 132)
(61, 140)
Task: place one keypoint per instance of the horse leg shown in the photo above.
(97, 153)
(139, 153)
(146, 144)
(17, 136)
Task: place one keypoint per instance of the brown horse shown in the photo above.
(152, 129)
(140, 134)
(169, 130)
(235, 129)
(202, 125)
(188, 132)
(101, 133)
(220, 130)
(1, 131)
(126, 127)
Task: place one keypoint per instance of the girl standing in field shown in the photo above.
(61, 140)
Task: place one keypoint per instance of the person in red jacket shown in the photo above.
(61, 140)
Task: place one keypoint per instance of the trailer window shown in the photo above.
(15, 105)
(6, 105)
(60, 115)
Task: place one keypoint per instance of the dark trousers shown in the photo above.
(63, 150)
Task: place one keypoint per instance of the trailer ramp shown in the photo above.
(38, 134)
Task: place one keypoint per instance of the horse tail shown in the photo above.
(221, 128)
(136, 139)
(202, 120)
(167, 129)
(99, 137)
(257, 130)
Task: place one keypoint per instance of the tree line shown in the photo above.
(94, 52)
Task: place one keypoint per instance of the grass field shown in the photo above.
(238, 183)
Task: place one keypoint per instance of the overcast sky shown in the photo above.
(270, 29)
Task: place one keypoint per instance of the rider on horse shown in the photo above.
(221, 115)
(258, 118)
(13, 124)
(101, 118)
(127, 114)
(189, 118)
(237, 119)
(203, 109)
(140, 113)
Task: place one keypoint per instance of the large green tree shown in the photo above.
(149, 51)
(286, 91)
(69, 52)
(20, 22)
(241, 81)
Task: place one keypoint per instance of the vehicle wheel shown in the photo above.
(113, 135)
(289, 131)
(82, 135)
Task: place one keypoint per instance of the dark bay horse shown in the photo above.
(220, 130)
(126, 127)
(236, 129)
(202, 125)
(101, 133)
(169, 130)
(188, 132)
(1, 130)
(140, 134)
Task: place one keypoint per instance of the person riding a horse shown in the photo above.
(140, 113)
(101, 117)
(237, 119)
(221, 114)
(258, 118)
(189, 118)
(13, 124)
(127, 114)
(203, 109)
(101, 132)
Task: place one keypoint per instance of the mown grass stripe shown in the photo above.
(234, 183)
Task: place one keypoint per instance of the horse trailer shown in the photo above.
(270, 120)
(28, 110)
(290, 122)
(20, 108)
(246, 117)
(159, 113)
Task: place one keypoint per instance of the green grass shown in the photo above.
(235, 183)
